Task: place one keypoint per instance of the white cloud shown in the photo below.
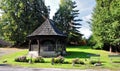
(87, 32)
(85, 5)
(85, 26)
(87, 18)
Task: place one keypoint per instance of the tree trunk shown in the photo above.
(116, 49)
(38, 41)
(110, 48)
(29, 45)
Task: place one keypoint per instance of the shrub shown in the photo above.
(116, 61)
(59, 59)
(82, 63)
(52, 61)
(66, 62)
(77, 61)
(39, 59)
(21, 59)
(94, 62)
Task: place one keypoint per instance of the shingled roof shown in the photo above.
(47, 28)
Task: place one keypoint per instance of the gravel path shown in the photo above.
(9, 68)
(4, 51)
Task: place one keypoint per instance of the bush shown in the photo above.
(116, 61)
(94, 62)
(52, 61)
(39, 59)
(81, 62)
(21, 59)
(77, 61)
(59, 59)
(66, 62)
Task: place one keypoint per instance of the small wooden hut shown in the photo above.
(47, 40)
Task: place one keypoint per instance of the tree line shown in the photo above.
(21, 17)
(105, 24)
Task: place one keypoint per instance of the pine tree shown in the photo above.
(66, 20)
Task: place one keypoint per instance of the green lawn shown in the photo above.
(81, 52)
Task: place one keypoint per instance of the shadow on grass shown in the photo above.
(75, 54)
(81, 47)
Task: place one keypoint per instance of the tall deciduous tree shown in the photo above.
(21, 17)
(66, 18)
(106, 23)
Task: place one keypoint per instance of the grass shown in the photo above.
(81, 52)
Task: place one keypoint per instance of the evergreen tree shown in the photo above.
(21, 17)
(106, 23)
(66, 20)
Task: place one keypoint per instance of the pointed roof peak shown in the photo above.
(47, 28)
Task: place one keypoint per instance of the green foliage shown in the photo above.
(91, 42)
(59, 59)
(39, 59)
(106, 23)
(67, 21)
(21, 59)
(77, 61)
(83, 42)
(20, 18)
(116, 61)
(94, 62)
(67, 62)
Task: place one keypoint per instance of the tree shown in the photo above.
(105, 23)
(115, 12)
(66, 18)
(21, 17)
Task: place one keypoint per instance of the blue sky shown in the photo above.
(85, 8)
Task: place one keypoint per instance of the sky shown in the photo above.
(85, 8)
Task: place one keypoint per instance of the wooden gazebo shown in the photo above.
(47, 40)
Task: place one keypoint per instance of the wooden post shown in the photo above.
(38, 47)
(29, 45)
(56, 46)
(64, 48)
